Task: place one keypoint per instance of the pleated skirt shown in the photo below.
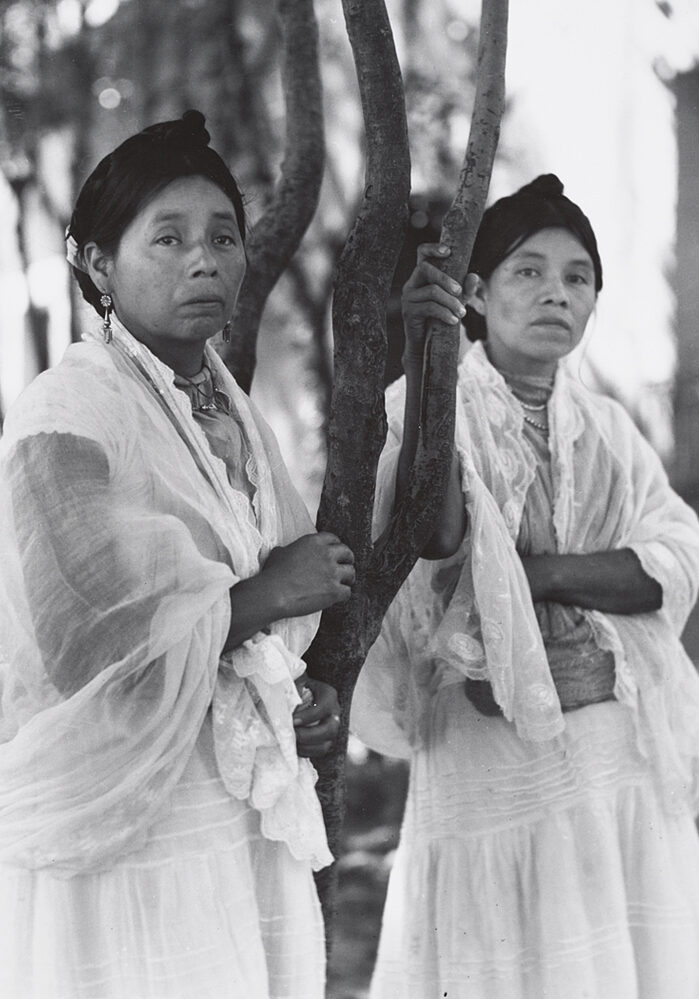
(207, 909)
(538, 872)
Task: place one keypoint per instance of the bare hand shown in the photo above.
(428, 293)
(317, 724)
(310, 574)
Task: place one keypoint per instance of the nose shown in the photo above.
(556, 290)
(203, 260)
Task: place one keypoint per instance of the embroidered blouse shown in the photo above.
(472, 615)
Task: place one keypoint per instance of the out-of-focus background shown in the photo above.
(606, 95)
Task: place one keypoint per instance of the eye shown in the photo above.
(580, 279)
(225, 239)
(528, 271)
(166, 240)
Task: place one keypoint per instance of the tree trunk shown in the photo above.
(279, 231)
(357, 421)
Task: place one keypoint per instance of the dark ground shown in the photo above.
(375, 796)
(376, 792)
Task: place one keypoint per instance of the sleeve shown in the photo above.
(665, 536)
(655, 679)
(112, 619)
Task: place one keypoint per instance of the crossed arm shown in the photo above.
(610, 581)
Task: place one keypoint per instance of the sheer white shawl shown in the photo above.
(472, 615)
(120, 539)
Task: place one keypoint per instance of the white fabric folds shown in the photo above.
(120, 538)
(611, 492)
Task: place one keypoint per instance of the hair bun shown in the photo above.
(194, 124)
(188, 132)
(547, 185)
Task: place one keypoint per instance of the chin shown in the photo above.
(202, 329)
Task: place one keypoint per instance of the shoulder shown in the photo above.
(79, 396)
(607, 419)
(599, 407)
(82, 365)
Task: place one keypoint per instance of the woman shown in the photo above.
(160, 584)
(533, 673)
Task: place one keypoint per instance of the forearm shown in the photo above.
(311, 573)
(451, 518)
(254, 607)
(613, 582)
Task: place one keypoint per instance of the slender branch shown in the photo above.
(280, 229)
(414, 519)
(364, 273)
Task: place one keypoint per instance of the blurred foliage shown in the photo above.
(88, 73)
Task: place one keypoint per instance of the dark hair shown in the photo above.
(123, 183)
(511, 221)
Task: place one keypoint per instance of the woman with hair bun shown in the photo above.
(160, 583)
(530, 668)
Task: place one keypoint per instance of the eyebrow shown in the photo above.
(174, 215)
(578, 262)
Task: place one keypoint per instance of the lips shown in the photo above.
(557, 321)
(204, 300)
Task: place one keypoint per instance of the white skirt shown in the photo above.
(538, 872)
(207, 909)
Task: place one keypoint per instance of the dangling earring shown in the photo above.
(226, 332)
(106, 303)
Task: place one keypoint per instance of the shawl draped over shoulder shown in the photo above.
(120, 540)
(472, 615)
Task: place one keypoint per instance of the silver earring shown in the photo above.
(106, 303)
(226, 332)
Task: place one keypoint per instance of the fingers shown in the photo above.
(315, 752)
(317, 725)
(432, 250)
(434, 275)
(342, 552)
(433, 302)
(426, 272)
(344, 563)
(430, 293)
(324, 703)
(315, 738)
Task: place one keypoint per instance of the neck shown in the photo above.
(185, 359)
(518, 366)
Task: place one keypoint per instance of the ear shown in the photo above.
(98, 265)
(474, 293)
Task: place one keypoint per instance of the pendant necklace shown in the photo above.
(203, 402)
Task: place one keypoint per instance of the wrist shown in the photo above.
(274, 594)
(536, 568)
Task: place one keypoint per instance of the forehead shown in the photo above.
(187, 197)
(557, 245)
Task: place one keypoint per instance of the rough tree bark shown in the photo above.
(357, 422)
(279, 230)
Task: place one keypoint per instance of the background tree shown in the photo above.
(278, 232)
